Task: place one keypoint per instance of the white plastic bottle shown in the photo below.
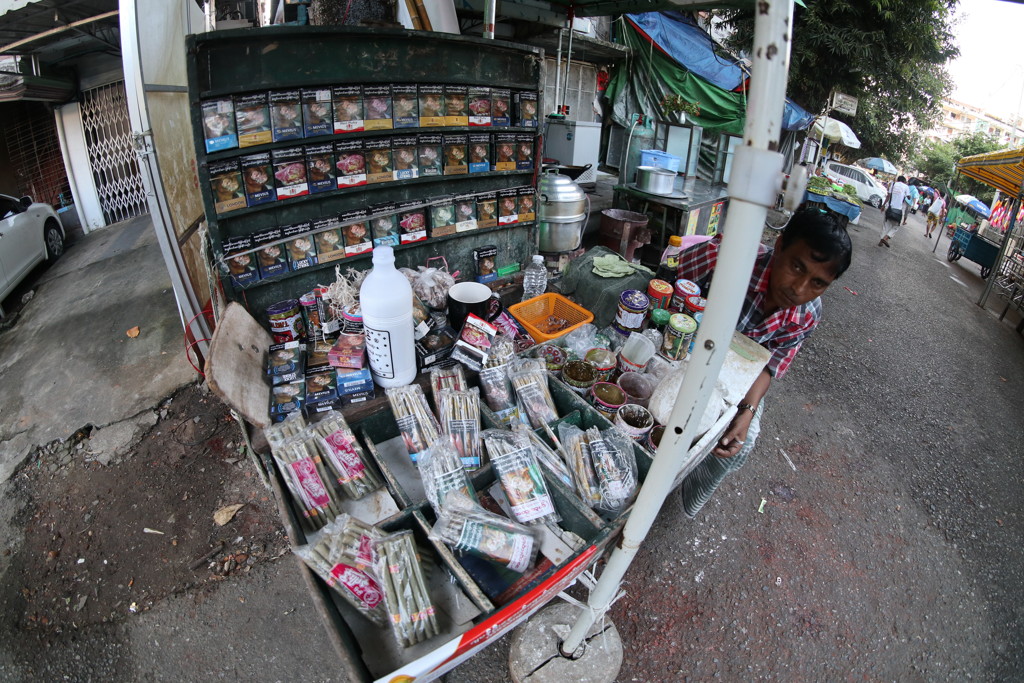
(386, 301)
(535, 279)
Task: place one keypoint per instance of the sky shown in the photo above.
(989, 73)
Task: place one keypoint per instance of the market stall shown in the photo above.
(445, 461)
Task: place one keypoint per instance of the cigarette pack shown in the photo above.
(351, 380)
(487, 209)
(430, 153)
(320, 170)
(527, 206)
(524, 151)
(479, 145)
(431, 105)
(435, 347)
(465, 213)
(455, 154)
(484, 259)
(384, 225)
(322, 406)
(321, 386)
(474, 343)
(252, 119)
(442, 216)
(219, 124)
(285, 115)
(501, 107)
(412, 221)
(377, 107)
(240, 261)
(286, 362)
(479, 105)
(258, 175)
(526, 108)
(456, 111)
(349, 351)
(508, 206)
(318, 357)
(317, 112)
(348, 108)
(226, 185)
(350, 161)
(290, 172)
(379, 165)
(404, 157)
(405, 106)
(299, 244)
(270, 253)
(505, 151)
(286, 399)
(355, 228)
(327, 238)
(357, 397)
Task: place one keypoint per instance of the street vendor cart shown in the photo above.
(972, 246)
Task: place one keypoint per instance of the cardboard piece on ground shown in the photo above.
(235, 365)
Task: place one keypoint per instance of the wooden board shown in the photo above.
(234, 369)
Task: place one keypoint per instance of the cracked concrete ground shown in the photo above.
(67, 362)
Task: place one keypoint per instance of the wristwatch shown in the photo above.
(747, 406)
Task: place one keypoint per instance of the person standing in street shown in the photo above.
(936, 212)
(893, 210)
(781, 309)
(913, 195)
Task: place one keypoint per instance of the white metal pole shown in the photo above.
(490, 10)
(753, 187)
(558, 71)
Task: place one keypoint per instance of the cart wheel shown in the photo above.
(954, 252)
(985, 271)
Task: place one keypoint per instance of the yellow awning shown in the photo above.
(1003, 170)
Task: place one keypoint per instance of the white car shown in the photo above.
(869, 190)
(30, 232)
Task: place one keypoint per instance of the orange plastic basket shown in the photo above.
(534, 314)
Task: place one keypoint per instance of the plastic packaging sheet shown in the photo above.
(512, 456)
(486, 535)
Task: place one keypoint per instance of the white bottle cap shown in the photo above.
(537, 258)
(383, 255)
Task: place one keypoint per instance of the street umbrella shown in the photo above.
(835, 131)
(878, 164)
(974, 204)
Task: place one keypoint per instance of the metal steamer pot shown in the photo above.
(655, 180)
(562, 212)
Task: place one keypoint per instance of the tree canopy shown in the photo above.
(890, 54)
(936, 159)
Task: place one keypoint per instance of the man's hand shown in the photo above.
(735, 435)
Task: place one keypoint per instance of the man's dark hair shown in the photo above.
(823, 233)
(901, 179)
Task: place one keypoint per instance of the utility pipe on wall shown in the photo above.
(754, 186)
(490, 9)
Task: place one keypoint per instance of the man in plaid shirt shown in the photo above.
(781, 309)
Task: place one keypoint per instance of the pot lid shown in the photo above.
(554, 187)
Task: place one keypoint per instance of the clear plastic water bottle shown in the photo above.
(535, 279)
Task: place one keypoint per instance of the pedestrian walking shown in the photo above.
(936, 212)
(893, 210)
(780, 311)
(913, 195)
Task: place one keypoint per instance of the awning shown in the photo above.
(1003, 170)
(835, 131)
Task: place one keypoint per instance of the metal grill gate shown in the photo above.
(34, 149)
(115, 167)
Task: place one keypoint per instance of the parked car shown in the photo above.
(869, 190)
(30, 232)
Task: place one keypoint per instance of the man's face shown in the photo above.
(797, 277)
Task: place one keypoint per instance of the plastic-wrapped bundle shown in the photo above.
(615, 466)
(410, 610)
(280, 432)
(545, 456)
(443, 475)
(491, 537)
(412, 413)
(577, 450)
(452, 377)
(342, 555)
(308, 481)
(530, 381)
(512, 457)
(345, 456)
(459, 415)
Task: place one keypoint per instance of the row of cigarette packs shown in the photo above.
(275, 251)
(260, 118)
(263, 177)
(302, 377)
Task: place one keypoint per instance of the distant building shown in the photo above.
(959, 118)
